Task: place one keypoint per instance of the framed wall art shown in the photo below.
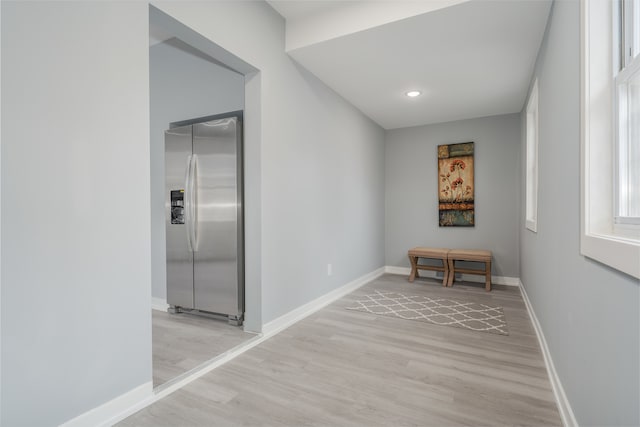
(456, 186)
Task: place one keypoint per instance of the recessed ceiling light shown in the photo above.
(413, 93)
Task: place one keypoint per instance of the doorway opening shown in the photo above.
(191, 76)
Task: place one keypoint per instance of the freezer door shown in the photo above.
(218, 281)
(178, 150)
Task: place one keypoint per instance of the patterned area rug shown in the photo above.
(468, 315)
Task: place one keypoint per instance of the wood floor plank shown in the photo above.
(339, 367)
(183, 341)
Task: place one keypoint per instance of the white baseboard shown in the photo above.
(496, 280)
(404, 271)
(204, 368)
(159, 304)
(288, 319)
(127, 404)
(566, 413)
(116, 409)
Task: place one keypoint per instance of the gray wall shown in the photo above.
(184, 84)
(411, 189)
(589, 313)
(76, 276)
(322, 162)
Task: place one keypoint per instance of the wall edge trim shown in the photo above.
(496, 280)
(564, 407)
(130, 402)
(283, 322)
(112, 411)
(159, 304)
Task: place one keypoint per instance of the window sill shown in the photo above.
(531, 225)
(614, 251)
(627, 232)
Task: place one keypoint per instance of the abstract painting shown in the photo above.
(455, 185)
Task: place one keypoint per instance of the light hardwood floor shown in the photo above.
(347, 368)
(183, 341)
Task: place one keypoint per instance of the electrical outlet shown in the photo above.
(329, 270)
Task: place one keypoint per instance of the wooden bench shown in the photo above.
(474, 255)
(431, 253)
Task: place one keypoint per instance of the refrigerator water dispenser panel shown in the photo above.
(177, 207)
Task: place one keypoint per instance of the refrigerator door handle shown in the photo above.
(193, 201)
(187, 203)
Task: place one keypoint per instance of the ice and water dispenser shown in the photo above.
(177, 207)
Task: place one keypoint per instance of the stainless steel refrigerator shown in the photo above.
(205, 268)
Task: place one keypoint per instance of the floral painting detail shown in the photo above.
(456, 184)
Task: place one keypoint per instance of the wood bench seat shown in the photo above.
(473, 255)
(430, 253)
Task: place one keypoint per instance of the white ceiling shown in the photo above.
(469, 58)
(298, 9)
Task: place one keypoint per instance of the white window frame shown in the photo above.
(600, 239)
(531, 178)
(623, 163)
(626, 66)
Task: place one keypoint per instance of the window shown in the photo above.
(627, 82)
(531, 219)
(609, 133)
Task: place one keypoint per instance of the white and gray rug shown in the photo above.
(440, 311)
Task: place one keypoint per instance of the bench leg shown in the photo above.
(445, 274)
(487, 272)
(452, 272)
(414, 268)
